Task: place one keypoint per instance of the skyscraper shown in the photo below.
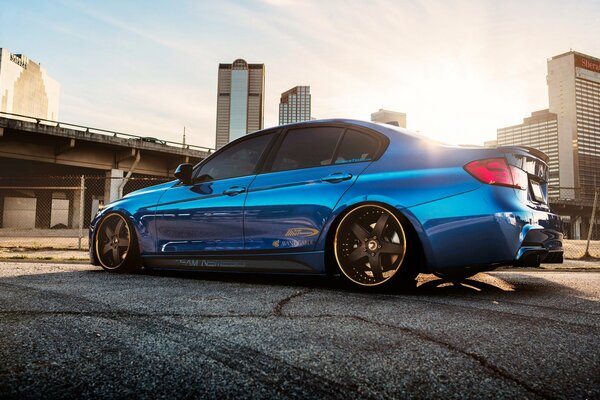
(26, 88)
(294, 105)
(240, 100)
(389, 117)
(574, 95)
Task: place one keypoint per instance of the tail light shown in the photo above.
(496, 171)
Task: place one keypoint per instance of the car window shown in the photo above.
(306, 148)
(356, 147)
(239, 159)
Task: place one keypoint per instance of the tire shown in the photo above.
(116, 245)
(370, 248)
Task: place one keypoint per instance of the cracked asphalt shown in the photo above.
(71, 330)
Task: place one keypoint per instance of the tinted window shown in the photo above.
(356, 147)
(239, 159)
(306, 148)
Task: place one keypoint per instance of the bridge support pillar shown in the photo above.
(43, 209)
(114, 177)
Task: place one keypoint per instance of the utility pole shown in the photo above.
(184, 136)
(592, 220)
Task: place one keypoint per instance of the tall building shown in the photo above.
(389, 117)
(294, 105)
(26, 88)
(574, 95)
(240, 100)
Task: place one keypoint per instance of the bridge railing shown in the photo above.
(106, 132)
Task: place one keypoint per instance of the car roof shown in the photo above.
(388, 130)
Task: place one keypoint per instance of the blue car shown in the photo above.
(373, 203)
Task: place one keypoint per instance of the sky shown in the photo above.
(458, 69)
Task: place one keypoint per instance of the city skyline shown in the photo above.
(154, 74)
(568, 131)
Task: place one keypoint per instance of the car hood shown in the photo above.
(151, 189)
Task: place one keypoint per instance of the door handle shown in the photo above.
(234, 190)
(336, 177)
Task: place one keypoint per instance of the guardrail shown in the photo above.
(100, 131)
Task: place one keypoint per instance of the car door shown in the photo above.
(310, 169)
(207, 215)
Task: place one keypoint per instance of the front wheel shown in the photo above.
(116, 245)
(370, 247)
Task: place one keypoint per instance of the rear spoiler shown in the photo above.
(530, 150)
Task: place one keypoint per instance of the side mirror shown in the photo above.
(184, 173)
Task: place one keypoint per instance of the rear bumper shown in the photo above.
(540, 246)
(484, 229)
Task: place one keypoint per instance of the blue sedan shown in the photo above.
(373, 203)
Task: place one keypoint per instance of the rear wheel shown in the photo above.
(370, 247)
(116, 246)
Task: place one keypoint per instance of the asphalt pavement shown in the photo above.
(69, 330)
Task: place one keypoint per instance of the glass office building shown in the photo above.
(295, 105)
(240, 100)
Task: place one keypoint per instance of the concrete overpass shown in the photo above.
(56, 174)
(62, 143)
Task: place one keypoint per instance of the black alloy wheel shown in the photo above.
(370, 245)
(116, 248)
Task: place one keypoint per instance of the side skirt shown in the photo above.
(294, 263)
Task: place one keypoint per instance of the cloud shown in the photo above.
(459, 70)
